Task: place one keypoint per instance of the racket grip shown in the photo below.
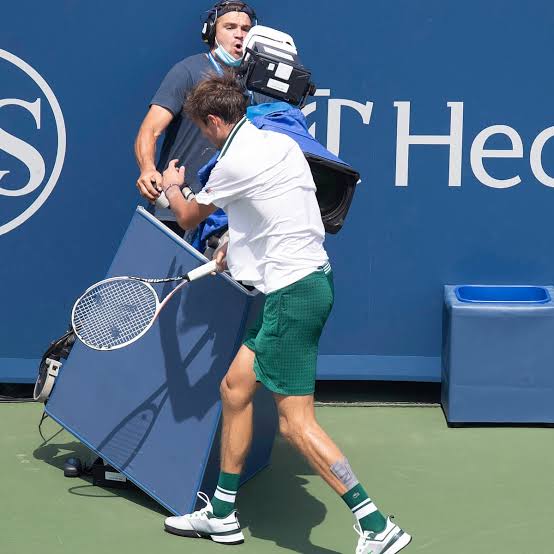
(162, 201)
(202, 271)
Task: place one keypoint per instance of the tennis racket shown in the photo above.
(118, 311)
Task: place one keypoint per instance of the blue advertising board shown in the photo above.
(445, 108)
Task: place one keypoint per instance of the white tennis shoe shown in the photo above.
(389, 541)
(203, 524)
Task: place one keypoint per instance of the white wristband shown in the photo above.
(187, 193)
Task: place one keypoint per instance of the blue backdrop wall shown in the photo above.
(444, 107)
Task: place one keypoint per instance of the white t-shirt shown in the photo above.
(263, 182)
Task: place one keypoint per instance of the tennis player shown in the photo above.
(264, 183)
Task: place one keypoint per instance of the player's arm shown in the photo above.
(188, 213)
(156, 121)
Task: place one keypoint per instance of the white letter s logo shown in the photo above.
(23, 151)
(40, 180)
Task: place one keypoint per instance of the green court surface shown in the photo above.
(458, 491)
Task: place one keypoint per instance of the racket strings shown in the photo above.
(114, 313)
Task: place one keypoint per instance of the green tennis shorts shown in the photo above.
(285, 336)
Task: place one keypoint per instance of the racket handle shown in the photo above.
(202, 271)
(162, 201)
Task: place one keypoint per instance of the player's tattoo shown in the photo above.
(343, 472)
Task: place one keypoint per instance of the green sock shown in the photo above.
(223, 501)
(369, 518)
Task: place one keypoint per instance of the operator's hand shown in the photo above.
(173, 175)
(220, 258)
(149, 184)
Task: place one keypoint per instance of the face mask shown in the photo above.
(225, 57)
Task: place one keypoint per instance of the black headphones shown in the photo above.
(208, 29)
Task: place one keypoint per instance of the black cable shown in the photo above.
(44, 416)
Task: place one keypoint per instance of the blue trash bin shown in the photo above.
(498, 354)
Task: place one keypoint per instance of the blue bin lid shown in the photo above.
(521, 294)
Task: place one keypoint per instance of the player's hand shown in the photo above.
(220, 258)
(173, 175)
(149, 184)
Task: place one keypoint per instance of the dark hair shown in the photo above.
(221, 96)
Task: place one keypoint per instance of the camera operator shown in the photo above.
(226, 25)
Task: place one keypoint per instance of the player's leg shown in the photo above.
(237, 392)
(218, 520)
(285, 362)
(298, 424)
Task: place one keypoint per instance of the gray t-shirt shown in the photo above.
(183, 139)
